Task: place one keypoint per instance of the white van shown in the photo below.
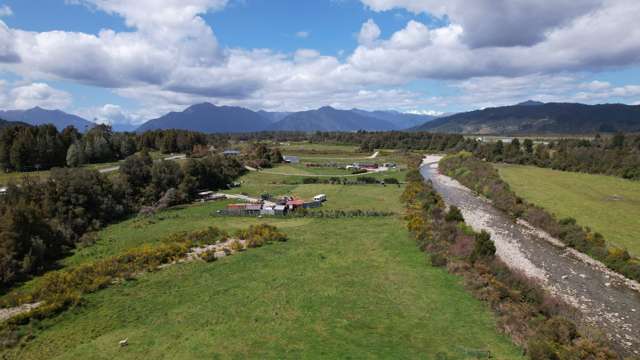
(321, 197)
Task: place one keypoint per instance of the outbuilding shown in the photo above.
(291, 159)
(294, 204)
(231, 153)
(280, 209)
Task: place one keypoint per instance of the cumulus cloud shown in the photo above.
(498, 50)
(369, 33)
(498, 22)
(584, 43)
(111, 114)
(31, 95)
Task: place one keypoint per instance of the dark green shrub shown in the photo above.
(438, 260)
(391, 180)
(483, 247)
(454, 214)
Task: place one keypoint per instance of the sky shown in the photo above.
(128, 61)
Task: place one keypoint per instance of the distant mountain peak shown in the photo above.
(533, 117)
(530, 103)
(209, 118)
(40, 116)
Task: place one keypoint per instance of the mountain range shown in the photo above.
(532, 117)
(209, 118)
(40, 116)
(529, 117)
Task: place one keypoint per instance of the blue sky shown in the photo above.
(125, 61)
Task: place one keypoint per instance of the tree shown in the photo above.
(73, 155)
(165, 175)
(454, 214)
(483, 247)
(136, 172)
(528, 146)
(21, 150)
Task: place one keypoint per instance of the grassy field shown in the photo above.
(6, 177)
(607, 204)
(339, 288)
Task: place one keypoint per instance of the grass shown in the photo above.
(339, 288)
(322, 294)
(606, 204)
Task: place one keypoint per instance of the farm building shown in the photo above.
(291, 159)
(294, 204)
(312, 204)
(366, 166)
(267, 211)
(211, 196)
(280, 210)
(231, 153)
(244, 209)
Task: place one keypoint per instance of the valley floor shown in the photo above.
(339, 288)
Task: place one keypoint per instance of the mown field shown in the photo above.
(606, 204)
(339, 288)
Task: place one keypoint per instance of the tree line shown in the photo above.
(41, 220)
(31, 148)
(618, 155)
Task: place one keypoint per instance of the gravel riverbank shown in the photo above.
(604, 299)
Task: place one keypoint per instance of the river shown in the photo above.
(603, 298)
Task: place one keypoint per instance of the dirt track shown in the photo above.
(603, 298)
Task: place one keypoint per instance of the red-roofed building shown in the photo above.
(294, 204)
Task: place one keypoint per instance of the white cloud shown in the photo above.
(369, 33)
(5, 10)
(583, 43)
(498, 22)
(111, 114)
(595, 85)
(303, 34)
(32, 95)
(425, 112)
(171, 57)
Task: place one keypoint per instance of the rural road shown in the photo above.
(117, 167)
(378, 170)
(603, 298)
